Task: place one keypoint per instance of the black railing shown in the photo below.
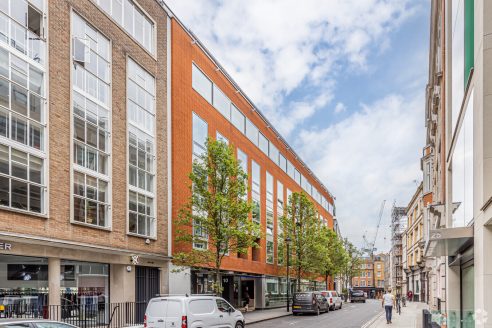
(111, 315)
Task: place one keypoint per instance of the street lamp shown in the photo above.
(287, 242)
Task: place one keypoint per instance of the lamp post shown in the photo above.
(287, 242)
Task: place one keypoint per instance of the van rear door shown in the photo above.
(156, 313)
(174, 313)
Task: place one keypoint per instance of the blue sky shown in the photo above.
(342, 80)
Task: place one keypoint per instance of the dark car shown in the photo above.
(309, 302)
(357, 296)
(33, 323)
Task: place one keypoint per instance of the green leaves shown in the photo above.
(316, 249)
(216, 216)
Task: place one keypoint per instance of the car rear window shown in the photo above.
(302, 296)
(157, 308)
(174, 309)
(201, 306)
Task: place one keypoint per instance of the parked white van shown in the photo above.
(192, 312)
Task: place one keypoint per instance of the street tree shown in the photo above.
(302, 225)
(215, 220)
(332, 255)
(352, 263)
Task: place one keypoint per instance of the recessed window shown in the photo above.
(201, 84)
(263, 143)
(91, 126)
(222, 103)
(237, 118)
(141, 151)
(132, 19)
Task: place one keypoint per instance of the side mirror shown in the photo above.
(231, 310)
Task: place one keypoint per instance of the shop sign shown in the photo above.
(5, 246)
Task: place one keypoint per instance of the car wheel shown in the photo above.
(239, 324)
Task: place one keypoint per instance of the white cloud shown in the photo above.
(271, 48)
(287, 56)
(370, 156)
(340, 108)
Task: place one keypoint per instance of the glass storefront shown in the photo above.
(23, 285)
(84, 290)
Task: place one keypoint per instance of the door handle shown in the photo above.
(221, 316)
(160, 320)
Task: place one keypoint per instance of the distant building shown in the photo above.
(398, 222)
(371, 278)
(413, 239)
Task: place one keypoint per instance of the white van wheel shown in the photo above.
(239, 324)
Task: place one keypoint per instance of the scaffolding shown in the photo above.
(398, 223)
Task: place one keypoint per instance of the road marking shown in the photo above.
(370, 322)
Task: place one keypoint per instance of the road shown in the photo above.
(350, 316)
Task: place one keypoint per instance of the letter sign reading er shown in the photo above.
(5, 246)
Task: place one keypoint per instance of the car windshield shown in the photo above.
(302, 296)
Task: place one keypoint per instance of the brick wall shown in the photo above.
(185, 101)
(58, 225)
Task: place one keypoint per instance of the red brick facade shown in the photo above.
(185, 101)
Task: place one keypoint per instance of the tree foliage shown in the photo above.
(315, 249)
(216, 216)
(352, 264)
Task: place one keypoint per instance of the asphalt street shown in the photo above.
(351, 315)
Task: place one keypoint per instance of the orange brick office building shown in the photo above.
(207, 102)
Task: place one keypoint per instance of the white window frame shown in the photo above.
(79, 168)
(129, 187)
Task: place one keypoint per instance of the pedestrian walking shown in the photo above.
(388, 302)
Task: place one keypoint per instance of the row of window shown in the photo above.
(208, 90)
(22, 106)
(128, 15)
(199, 136)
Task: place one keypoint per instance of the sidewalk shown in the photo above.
(262, 315)
(411, 317)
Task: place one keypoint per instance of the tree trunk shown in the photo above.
(298, 278)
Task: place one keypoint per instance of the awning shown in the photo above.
(447, 241)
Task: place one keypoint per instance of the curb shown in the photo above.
(372, 321)
(266, 319)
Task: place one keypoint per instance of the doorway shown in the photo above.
(147, 282)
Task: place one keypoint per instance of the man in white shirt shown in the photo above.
(388, 303)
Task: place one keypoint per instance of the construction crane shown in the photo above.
(369, 246)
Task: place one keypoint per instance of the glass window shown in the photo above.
(282, 162)
(252, 132)
(255, 191)
(222, 103)
(220, 137)
(84, 286)
(132, 19)
(273, 153)
(243, 160)
(462, 170)
(141, 150)
(263, 143)
(91, 144)
(290, 170)
(201, 83)
(297, 177)
(24, 285)
(269, 204)
(237, 118)
(223, 306)
(200, 135)
(269, 252)
(24, 184)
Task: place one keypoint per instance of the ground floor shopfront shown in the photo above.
(252, 290)
(77, 282)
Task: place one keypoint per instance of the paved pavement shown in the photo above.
(352, 315)
(262, 315)
(411, 317)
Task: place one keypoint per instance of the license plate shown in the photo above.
(296, 307)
